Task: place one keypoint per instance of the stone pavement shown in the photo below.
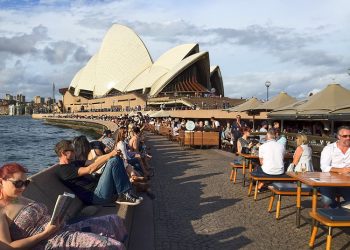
(196, 206)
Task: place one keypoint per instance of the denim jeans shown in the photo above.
(113, 181)
(328, 195)
(137, 165)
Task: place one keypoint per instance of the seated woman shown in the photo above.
(302, 158)
(243, 145)
(24, 224)
(137, 172)
(132, 159)
(136, 148)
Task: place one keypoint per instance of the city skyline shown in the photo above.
(299, 47)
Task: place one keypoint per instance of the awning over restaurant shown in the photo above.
(161, 113)
(281, 100)
(246, 106)
(331, 102)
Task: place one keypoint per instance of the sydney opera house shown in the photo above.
(122, 75)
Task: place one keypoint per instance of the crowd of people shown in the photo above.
(115, 168)
(271, 149)
(335, 158)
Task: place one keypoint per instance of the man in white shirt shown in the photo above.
(335, 158)
(271, 155)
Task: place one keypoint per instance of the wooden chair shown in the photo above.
(285, 189)
(234, 170)
(330, 218)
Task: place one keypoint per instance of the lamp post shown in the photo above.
(175, 95)
(267, 85)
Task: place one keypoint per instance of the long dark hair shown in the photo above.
(81, 147)
(119, 135)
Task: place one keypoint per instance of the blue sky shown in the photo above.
(299, 46)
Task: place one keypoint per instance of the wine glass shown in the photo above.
(303, 167)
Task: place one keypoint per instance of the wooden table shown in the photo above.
(248, 159)
(247, 162)
(317, 179)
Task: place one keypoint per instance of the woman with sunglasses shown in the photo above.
(24, 224)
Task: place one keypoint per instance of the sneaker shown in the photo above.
(135, 196)
(127, 199)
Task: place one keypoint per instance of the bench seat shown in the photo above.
(290, 187)
(285, 188)
(340, 214)
(258, 177)
(330, 218)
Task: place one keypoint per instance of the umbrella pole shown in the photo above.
(253, 122)
(332, 127)
(282, 123)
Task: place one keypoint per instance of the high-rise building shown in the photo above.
(38, 100)
(48, 101)
(8, 97)
(20, 98)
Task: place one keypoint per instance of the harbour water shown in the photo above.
(31, 142)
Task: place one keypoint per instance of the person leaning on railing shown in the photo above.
(335, 157)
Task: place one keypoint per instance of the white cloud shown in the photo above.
(291, 44)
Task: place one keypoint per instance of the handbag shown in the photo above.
(245, 150)
(291, 168)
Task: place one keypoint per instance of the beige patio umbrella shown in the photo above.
(161, 113)
(332, 99)
(132, 113)
(246, 106)
(333, 103)
(149, 112)
(281, 100)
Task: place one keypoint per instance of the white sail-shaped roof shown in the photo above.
(123, 63)
(184, 64)
(76, 78)
(162, 66)
(87, 76)
(122, 56)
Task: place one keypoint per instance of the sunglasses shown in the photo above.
(20, 183)
(344, 136)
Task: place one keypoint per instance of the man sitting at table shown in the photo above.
(271, 155)
(335, 158)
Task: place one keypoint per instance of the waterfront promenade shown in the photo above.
(198, 208)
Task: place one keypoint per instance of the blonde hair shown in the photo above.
(301, 139)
